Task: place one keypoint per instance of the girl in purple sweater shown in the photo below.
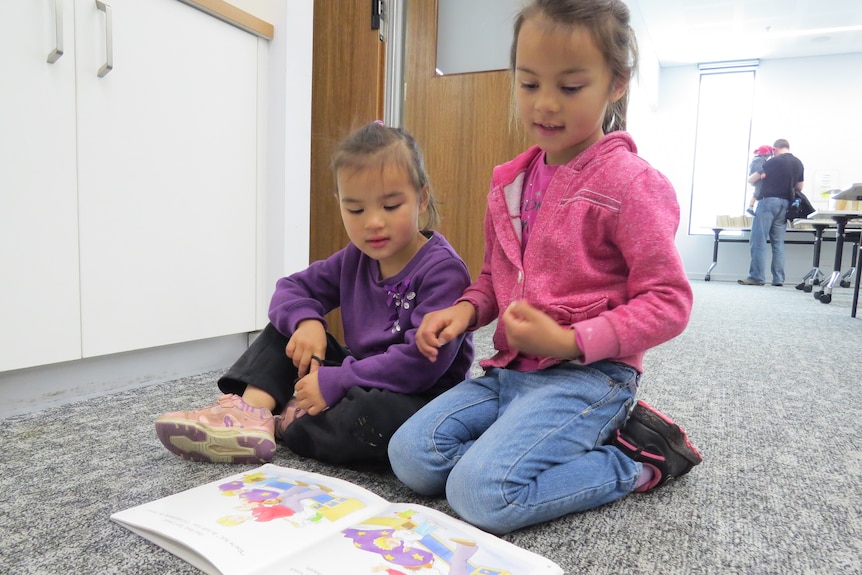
(582, 274)
(341, 404)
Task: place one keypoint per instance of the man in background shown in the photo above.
(782, 177)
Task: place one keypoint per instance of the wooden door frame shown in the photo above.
(347, 76)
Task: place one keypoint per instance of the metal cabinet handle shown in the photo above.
(109, 39)
(58, 18)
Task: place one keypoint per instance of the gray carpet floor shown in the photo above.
(765, 380)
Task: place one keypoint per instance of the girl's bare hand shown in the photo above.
(442, 326)
(309, 340)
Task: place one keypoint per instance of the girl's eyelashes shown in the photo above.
(529, 87)
(357, 211)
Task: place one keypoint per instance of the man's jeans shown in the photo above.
(769, 221)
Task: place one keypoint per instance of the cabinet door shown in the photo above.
(167, 175)
(39, 288)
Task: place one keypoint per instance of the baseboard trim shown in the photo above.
(33, 389)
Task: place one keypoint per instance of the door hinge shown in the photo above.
(376, 10)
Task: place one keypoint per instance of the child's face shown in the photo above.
(562, 88)
(380, 209)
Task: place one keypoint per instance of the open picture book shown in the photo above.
(279, 520)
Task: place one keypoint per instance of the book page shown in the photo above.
(407, 539)
(243, 523)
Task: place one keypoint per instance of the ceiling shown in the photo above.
(699, 31)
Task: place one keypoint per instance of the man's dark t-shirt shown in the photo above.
(783, 172)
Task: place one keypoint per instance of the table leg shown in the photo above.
(846, 277)
(825, 295)
(856, 285)
(812, 278)
(714, 263)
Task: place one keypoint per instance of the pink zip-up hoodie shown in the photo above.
(601, 259)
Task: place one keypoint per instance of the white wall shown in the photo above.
(811, 102)
(287, 118)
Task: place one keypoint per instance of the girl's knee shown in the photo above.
(479, 511)
(400, 453)
(409, 462)
(479, 499)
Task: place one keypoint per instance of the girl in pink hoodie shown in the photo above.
(583, 275)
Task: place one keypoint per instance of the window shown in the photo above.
(722, 145)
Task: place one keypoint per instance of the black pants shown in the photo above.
(356, 430)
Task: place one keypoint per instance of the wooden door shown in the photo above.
(462, 123)
(346, 94)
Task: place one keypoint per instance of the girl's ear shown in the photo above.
(618, 88)
(424, 199)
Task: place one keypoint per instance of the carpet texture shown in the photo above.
(765, 380)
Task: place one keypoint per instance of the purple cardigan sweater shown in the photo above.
(380, 318)
(601, 259)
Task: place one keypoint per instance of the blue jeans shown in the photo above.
(770, 219)
(511, 449)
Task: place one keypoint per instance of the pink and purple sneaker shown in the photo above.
(231, 431)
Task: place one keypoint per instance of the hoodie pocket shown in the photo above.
(567, 315)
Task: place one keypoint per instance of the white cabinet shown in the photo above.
(127, 202)
(39, 285)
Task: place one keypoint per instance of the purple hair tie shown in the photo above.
(379, 122)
